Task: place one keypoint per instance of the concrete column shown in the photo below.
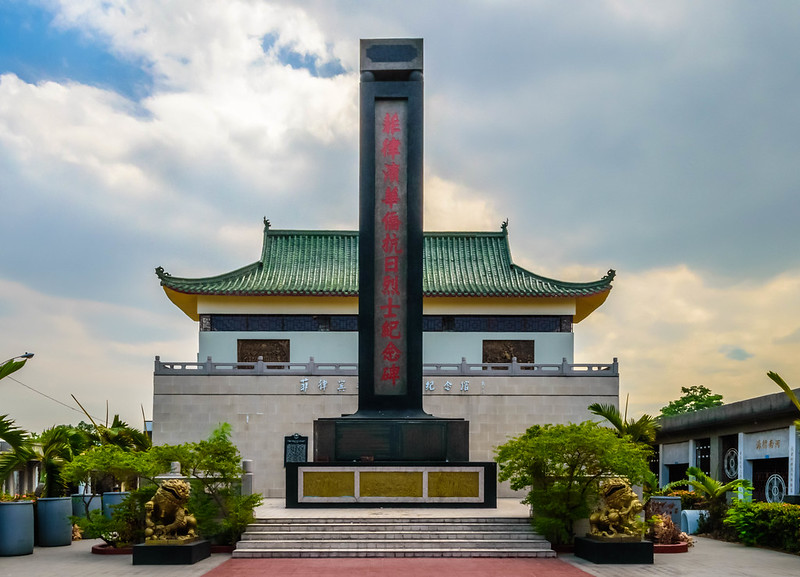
(793, 486)
(692, 453)
(745, 467)
(247, 477)
(715, 458)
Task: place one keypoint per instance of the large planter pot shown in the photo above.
(54, 525)
(665, 505)
(78, 506)
(690, 519)
(111, 499)
(16, 528)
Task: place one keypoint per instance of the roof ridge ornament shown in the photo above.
(610, 275)
(504, 226)
(160, 273)
(266, 223)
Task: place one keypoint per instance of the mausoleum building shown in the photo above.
(278, 345)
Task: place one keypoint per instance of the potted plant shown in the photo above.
(16, 525)
(666, 537)
(52, 509)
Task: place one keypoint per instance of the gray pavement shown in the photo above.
(77, 560)
(708, 558)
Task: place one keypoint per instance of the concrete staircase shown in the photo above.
(392, 537)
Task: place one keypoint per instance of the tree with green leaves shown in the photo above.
(213, 468)
(641, 430)
(694, 398)
(562, 466)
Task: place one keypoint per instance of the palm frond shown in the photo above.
(785, 387)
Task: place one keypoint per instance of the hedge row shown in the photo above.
(775, 525)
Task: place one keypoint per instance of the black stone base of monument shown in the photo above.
(186, 554)
(792, 499)
(382, 440)
(484, 498)
(614, 552)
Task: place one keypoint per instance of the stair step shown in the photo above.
(310, 553)
(394, 544)
(392, 537)
(373, 535)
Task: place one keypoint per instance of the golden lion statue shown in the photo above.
(167, 519)
(617, 517)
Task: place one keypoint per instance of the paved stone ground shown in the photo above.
(708, 558)
(76, 560)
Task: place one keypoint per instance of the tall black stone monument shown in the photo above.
(390, 424)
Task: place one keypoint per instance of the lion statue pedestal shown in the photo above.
(172, 528)
(616, 530)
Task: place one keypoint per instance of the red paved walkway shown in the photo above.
(396, 568)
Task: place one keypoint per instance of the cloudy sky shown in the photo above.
(656, 138)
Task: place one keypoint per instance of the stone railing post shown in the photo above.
(247, 477)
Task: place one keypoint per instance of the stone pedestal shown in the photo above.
(185, 554)
(391, 440)
(405, 484)
(616, 552)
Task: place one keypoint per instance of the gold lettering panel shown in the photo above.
(329, 484)
(391, 484)
(454, 484)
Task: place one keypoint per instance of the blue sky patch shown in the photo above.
(297, 60)
(34, 50)
(735, 353)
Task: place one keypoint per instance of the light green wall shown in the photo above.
(342, 347)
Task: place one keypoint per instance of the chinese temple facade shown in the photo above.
(278, 345)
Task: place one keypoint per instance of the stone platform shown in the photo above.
(422, 484)
(186, 554)
(614, 552)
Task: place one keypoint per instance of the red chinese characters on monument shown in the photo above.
(390, 214)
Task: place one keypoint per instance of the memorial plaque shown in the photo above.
(295, 449)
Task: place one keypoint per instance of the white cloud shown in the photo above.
(673, 328)
(453, 206)
(98, 352)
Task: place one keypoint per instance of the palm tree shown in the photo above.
(54, 447)
(641, 430)
(119, 433)
(786, 389)
(18, 441)
(711, 488)
(12, 364)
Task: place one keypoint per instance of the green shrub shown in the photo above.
(774, 525)
(562, 467)
(689, 499)
(126, 525)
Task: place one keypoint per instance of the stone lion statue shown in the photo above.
(166, 516)
(618, 513)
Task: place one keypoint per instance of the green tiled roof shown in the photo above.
(325, 263)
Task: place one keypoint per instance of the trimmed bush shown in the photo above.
(775, 525)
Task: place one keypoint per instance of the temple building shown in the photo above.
(278, 345)
(755, 439)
